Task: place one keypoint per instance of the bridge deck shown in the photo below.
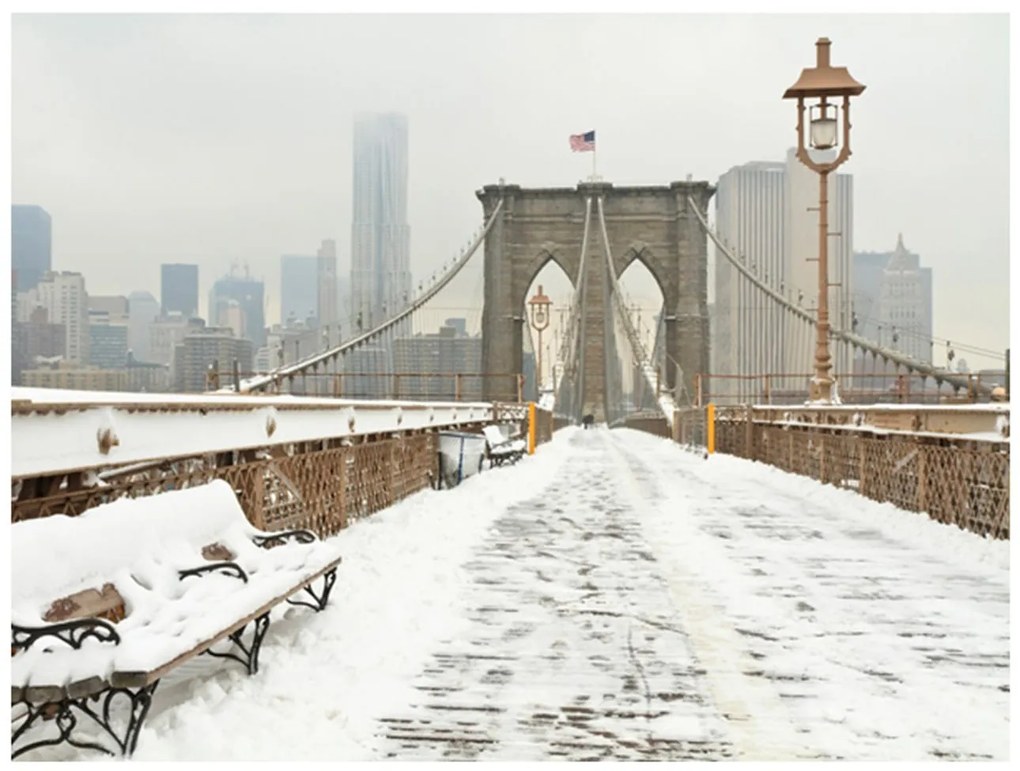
(616, 597)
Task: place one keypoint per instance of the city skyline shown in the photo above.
(211, 175)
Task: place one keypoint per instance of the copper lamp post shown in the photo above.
(818, 85)
(538, 307)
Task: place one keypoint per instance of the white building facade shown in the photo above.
(64, 297)
(767, 213)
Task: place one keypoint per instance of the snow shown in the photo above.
(614, 596)
(57, 438)
(140, 545)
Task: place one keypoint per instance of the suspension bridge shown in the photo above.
(599, 558)
(602, 366)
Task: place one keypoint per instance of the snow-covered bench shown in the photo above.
(105, 604)
(501, 448)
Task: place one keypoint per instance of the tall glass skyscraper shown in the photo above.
(179, 289)
(767, 213)
(299, 290)
(380, 237)
(31, 245)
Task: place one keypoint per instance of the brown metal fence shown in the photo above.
(956, 481)
(321, 486)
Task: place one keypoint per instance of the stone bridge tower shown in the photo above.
(652, 224)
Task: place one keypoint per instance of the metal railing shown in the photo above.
(440, 386)
(857, 388)
(321, 483)
(952, 464)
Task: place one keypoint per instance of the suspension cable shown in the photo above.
(923, 368)
(264, 381)
(664, 399)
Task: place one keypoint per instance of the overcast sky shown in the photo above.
(227, 138)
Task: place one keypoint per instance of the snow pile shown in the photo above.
(140, 545)
(820, 623)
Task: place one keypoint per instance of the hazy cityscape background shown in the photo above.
(238, 145)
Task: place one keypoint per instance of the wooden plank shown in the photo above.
(103, 603)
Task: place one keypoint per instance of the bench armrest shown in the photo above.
(230, 568)
(73, 633)
(275, 539)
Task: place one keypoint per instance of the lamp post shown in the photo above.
(817, 85)
(538, 307)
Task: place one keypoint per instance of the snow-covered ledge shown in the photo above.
(58, 431)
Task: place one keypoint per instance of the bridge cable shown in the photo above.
(665, 400)
(936, 373)
(274, 378)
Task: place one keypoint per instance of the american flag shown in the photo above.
(583, 143)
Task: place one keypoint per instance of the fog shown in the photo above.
(221, 139)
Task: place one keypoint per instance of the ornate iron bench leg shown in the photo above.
(249, 654)
(139, 701)
(321, 598)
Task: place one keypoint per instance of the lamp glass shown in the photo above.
(823, 133)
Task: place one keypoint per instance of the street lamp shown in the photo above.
(818, 84)
(538, 307)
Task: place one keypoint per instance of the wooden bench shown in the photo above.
(501, 448)
(107, 603)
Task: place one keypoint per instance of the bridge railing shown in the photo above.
(858, 388)
(295, 463)
(409, 385)
(952, 463)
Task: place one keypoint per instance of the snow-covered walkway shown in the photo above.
(616, 597)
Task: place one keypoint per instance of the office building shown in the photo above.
(239, 302)
(299, 291)
(327, 288)
(166, 332)
(178, 289)
(108, 342)
(892, 300)
(380, 237)
(64, 297)
(212, 349)
(443, 366)
(767, 214)
(33, 341)
(143, 311)
(31, 245)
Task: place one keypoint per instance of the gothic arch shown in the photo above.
(652, 224)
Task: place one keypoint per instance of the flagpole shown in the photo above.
(594, 153)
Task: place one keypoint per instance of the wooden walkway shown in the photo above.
(579, 643)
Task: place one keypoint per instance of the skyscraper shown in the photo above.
(179, 289)
(767, 214)
(238, 301)
(299, 293)
(31, 245)
(380, 237)
(326, 277)
(143, 310)
(893, 300)
(64, 297)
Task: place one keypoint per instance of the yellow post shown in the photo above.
(531, 428)
(710, 427)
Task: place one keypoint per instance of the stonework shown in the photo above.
(652, 224)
